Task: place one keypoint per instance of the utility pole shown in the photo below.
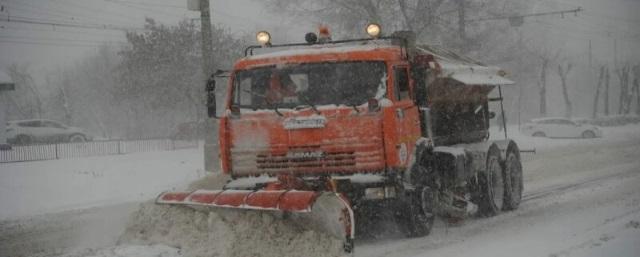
(211, 151)
(207, 49)
(461, 24)
(590, 57)
(615, 53)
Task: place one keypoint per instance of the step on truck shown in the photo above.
(326, 129)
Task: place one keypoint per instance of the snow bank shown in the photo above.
(225, 233)
(32, 188)
(129, 251)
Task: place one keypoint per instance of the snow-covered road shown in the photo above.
(588, 207)
(582, 198)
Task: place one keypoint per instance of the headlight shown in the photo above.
(373, 30)
(263, 37)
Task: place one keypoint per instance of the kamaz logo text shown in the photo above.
(305, 155)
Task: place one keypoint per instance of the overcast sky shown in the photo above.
(47, 47)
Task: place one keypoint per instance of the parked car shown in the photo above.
(559, 128)
(22, 132)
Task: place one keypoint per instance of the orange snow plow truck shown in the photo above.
(330, 128)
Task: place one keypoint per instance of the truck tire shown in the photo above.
(76, 138)
(491, 185)
(415, 216)
(23, 140)
(539, 134)
(588, 134)
(513, 181)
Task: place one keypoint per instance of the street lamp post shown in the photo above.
(5, 85)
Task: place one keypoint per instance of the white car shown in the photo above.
(23, 132)
(559, 128)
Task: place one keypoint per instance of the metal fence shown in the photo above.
(93, 148)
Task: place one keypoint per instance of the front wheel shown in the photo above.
(588, 134)
(416, 216)
(77, 138)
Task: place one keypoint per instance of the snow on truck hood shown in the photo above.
(321, 49)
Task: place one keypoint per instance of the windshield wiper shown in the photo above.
(307, 102)
(355, 107)
(275, 105)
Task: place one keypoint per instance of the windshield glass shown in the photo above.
(289, 86)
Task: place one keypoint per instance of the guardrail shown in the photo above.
(24, 153)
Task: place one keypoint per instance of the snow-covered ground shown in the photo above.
(31, 188)
(581, 199)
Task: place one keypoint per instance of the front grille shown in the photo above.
(342, 156)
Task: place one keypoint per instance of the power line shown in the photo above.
(93, 10)
(146, 9)
(148, 4)
(59, 30)
(586, 34)
(522, 16)
(21, 42)
(159, 5)
(28, 20)
(38, 39)
(67, 14)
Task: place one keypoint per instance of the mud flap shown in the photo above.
(329, 212)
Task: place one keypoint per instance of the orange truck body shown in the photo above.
(351, 141)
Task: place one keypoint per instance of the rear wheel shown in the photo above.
(23, 140)
(76, 138)
(416, 216)
(492, 186)
(539, 134)
(588, 134)
(513, 181)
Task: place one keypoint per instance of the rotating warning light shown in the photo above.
(323, 34)
(373, 30)
(264, 38)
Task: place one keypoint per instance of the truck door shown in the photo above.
(406, 115)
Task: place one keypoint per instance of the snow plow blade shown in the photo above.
(325, 211)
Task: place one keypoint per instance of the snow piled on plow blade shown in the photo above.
(229, 232)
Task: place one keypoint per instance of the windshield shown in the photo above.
(347, 83)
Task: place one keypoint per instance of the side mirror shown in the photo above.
(211, 97)
(492, 115)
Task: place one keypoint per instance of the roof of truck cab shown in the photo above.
(452, 65)
(323, 52)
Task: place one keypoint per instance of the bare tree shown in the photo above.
(563, 72)
(607, 78)
(636, 86)
(27, 94)
(597, 94)
(623, 78)
(542, 85)
(546, 57)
